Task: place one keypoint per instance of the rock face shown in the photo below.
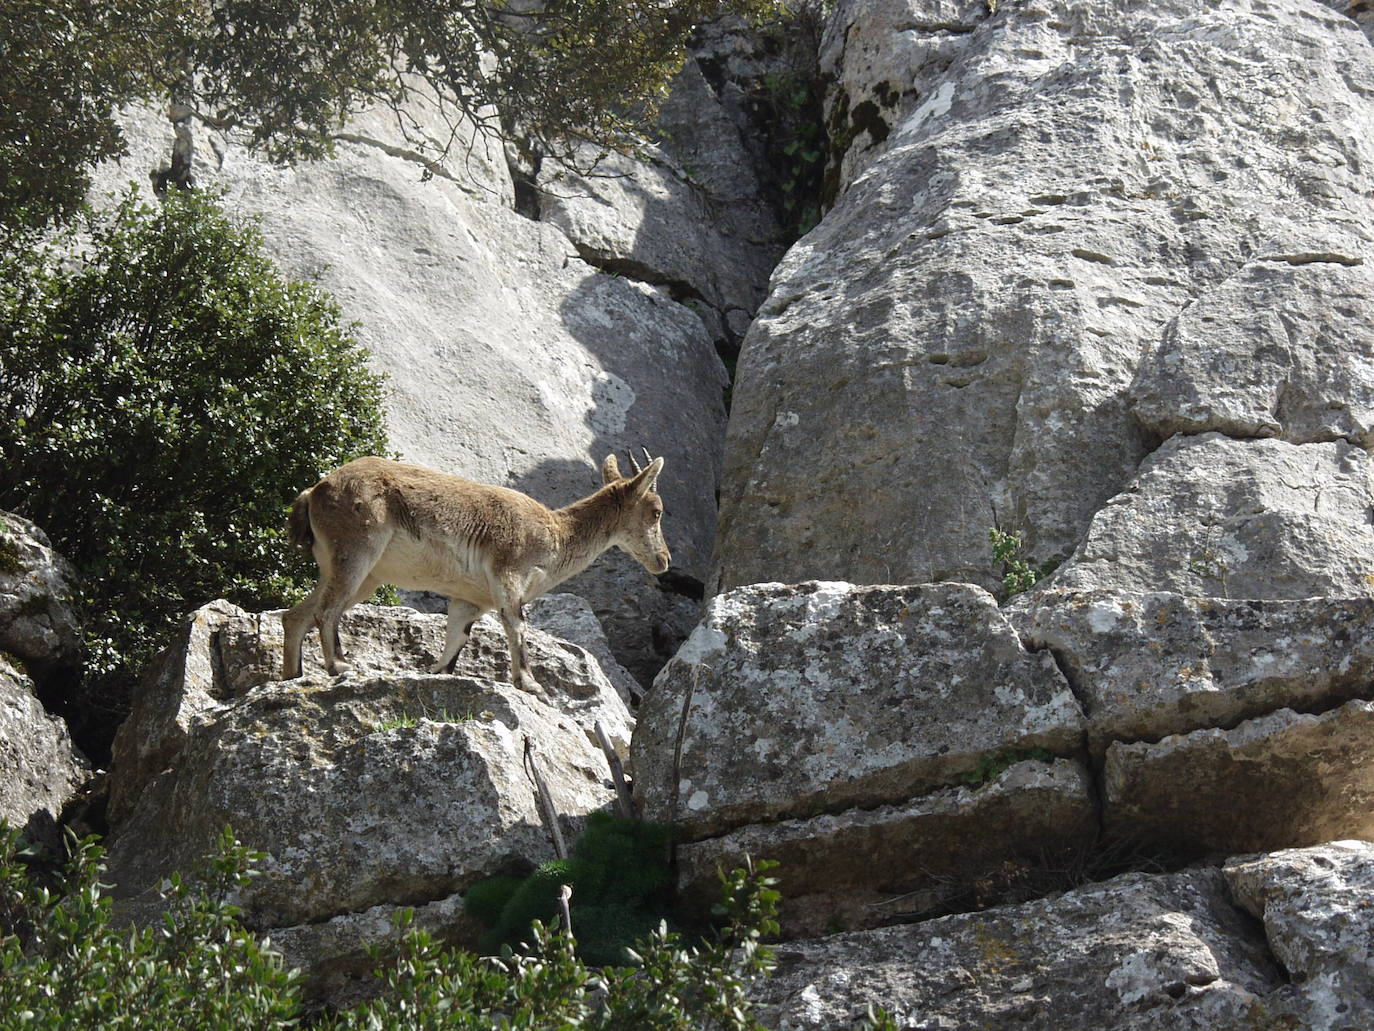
(37, 624)
(824, 724)
(40, 769)
(511, 361)
(788, 700)
(377, 790)
(1043, 219)
(1316, 907)
(222, 653)
(1137, 952)
(1149, 665)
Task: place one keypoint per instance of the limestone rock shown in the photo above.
(1282, 780)
(570, 618)
(1283, 348)
(37, 623)
(40, 769)
(1138, 952)
(1209, 515)
(1317, 905)
(365, 791)
(510, 360)
(1148, 665)
(947, 849)
(222, 653)
(954, 347)
(789, 700)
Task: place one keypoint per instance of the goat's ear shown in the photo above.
(610, 470)
(647, 480)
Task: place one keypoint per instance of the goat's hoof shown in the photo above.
(340, 668)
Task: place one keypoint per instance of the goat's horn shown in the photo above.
(631, 456)
(648, 458)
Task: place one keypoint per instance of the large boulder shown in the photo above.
(222, 652)
(1150, 664)
(789, 700)
(365, 791)
(1157, 952)
(1284, 779)
(40, 769)
(510, 360)
(1212, 515)
(1034, 202)
(1315, 904)
(38, 625)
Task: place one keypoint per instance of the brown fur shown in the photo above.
(375, 521)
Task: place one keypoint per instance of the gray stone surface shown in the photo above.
(570, 618)
(1317, 905)
(955, 345)
(40, 769)
(38, 625)
(1283, 348)
(950, 849)
(1148, 665)
(1164, 953)
(1210, 515)
(223, 652)
(365, 791)
(511, 361)
(822, 696)
(1282, 780)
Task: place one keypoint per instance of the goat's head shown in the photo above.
(640, 529)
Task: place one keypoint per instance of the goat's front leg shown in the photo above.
(461, 616)
(513, 619)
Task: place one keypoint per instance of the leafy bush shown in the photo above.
(668, 984)
(618, 873)
(66, 966)
(164, 394)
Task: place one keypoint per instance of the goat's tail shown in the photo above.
(298, 525)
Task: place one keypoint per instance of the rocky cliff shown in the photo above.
(1093, 274)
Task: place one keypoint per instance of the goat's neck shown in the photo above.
(588, 527)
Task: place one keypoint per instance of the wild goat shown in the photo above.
(374, 521)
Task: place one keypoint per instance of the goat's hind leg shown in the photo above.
(350, 573)
(296, 622)
(461, 616)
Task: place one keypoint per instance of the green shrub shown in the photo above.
(618, 873)
(65, 966)
(164, 394)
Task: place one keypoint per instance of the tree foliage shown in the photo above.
(164, 394)
(284, 75)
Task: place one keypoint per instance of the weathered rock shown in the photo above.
(944, 850)
(1148, 665)
(1317, 905)
(1138, 952)
(37, 624)
(1283, 348)
(570, 618)
(335, 952)
(510, 360)
(789, 700)
(954, 346)
(223, 653)
(1208, 515)
(366, 792)
(1282, 780)
(40, 769)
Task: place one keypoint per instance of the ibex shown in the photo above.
(374, 521)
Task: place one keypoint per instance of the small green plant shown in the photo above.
(1018, 575)
(619, 876)
(990, 767)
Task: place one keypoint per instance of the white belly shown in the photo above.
(452, 568)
